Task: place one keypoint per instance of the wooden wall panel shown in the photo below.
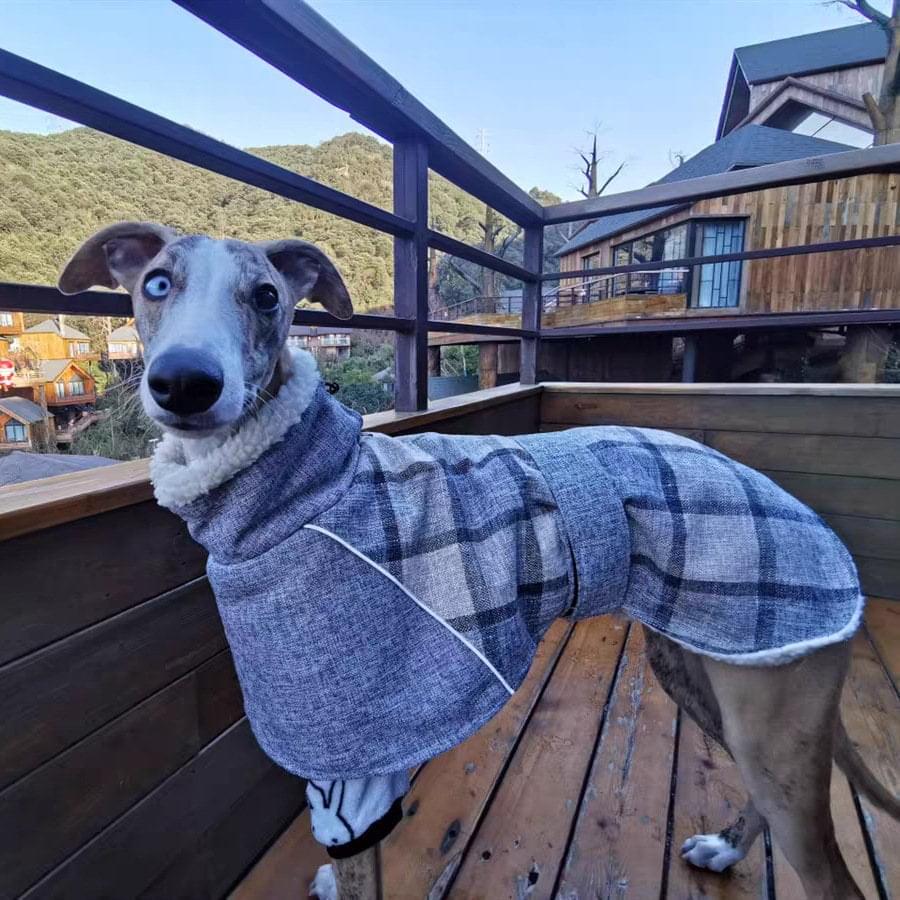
(56, 582)
(838, 454)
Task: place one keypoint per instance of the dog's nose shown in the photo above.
(185, 381)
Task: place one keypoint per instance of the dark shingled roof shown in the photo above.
(51, 326)
(20, 466)
(23, 409)
(839, 48)
(752, 145)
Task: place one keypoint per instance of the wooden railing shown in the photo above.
(293, 38)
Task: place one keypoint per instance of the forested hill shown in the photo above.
(57, 189)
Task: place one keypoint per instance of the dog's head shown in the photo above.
(213, 315)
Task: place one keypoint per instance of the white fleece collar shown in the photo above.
(180, 478)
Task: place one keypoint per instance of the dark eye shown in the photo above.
(157, 285)
(265, 297)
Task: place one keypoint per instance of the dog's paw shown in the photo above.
(324, 885)
(710, 851)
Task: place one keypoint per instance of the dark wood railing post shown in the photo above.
(532, 259)
(411, 275)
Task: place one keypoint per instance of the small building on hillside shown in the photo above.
(54, 339)
(24, 425)
(66, 390)
(124, 343)
(331, 343)
(12, 324)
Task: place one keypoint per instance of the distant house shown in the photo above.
(124, 343)
(12, 324)
(23, 423)
(329, 343)
(56, 340)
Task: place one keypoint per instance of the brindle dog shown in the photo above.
(214, 317)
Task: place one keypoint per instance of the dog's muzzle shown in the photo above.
(185, 381)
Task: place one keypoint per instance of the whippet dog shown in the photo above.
(214, 317)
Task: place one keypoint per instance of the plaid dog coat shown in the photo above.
(383, 596)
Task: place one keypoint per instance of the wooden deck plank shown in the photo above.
(442, 809)
(883, 626)
(871, 712)
(449, 797)
(709, 795)
(618, 846)
(520, 846)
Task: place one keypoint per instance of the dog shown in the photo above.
(270, 473)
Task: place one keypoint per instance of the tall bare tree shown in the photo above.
(591, 170)
(885, 111)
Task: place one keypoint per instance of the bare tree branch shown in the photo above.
(864, 8)
(606, 183)
(464, 275)
(874, 111)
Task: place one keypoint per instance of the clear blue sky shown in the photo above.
(652, 72)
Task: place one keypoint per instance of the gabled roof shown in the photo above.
(51, 326)
(307, 330)
(839, 48)
(124, 333)
(752, 145)
(23, 410)
(805, 54)
(51, 369)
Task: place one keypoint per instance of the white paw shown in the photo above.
(710, 851)
(324, 885)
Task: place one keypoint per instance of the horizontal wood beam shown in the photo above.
(797, 171)
(297, 41)
(734, 322)
(889, 240)
(27, 82)
(472, 328)
(447, 244)
(43, 298)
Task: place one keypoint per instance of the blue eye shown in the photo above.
(157, 285)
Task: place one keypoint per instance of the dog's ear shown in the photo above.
(310, 275)
(114, 256)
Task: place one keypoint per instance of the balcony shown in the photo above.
(588, 777)
(129, 767)
(70, 397)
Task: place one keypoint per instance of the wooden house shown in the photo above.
(326, 344)
(23, 424)
(124, 343)
(54, 339)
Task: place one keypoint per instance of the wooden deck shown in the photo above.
(588, 782)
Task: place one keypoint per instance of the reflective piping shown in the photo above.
(468, 644)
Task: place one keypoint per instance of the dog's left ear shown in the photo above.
(310, 275)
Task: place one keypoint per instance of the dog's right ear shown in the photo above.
(114, 256)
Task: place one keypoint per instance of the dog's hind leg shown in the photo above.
(780, 724)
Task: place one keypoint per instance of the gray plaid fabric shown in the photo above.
(382, 596)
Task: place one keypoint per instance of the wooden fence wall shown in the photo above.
(835, 447)
(127, 767)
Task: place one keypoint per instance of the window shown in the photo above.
(76, 387)
(60, 388)
(79, 348)
(719, 284)
(669, 243)
(6, 319)
(15, 433)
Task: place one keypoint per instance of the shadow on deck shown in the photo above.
(588, 782)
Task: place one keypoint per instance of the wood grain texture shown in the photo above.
(851, 416)
(522, 840)
(883, 628)
(449, 796)
(125, 858)
(871, 712)
(62, 804)
(618, 845)
(709, 795)
(879, 577)
(876, 498)
(86, 582)
(57, 695)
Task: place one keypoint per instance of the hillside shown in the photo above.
(57, 189)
